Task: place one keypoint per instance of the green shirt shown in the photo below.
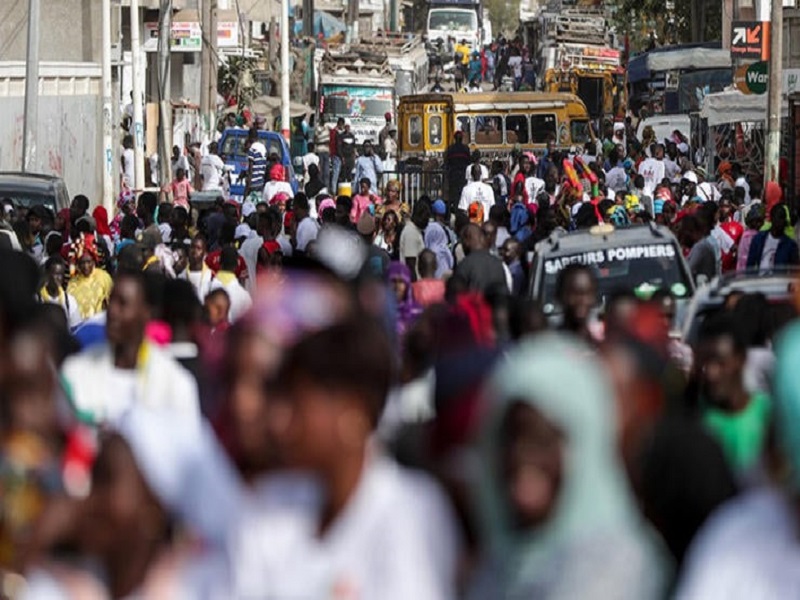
(741, 435)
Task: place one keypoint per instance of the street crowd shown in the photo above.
(305, 395)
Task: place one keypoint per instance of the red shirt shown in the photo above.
(213, 262)
(734, 231)
(428, 291)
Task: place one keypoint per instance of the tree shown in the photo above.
(504, 15)
(672, 22)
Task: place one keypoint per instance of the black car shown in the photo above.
(639, 259)
(33, 189)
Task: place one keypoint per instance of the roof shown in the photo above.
(18, 179)
(732, 106)
(494, 97)
(583, 241)
(678, 58)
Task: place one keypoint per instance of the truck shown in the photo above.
(456, 19)
(577, 56)
(406, 56)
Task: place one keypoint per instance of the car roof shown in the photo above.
(564, 244)
(31, 181)
(775, 284)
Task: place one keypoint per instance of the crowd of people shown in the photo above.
(306, 395)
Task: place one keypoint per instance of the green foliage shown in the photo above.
(672, 22)
(504, 15)
(235, 76)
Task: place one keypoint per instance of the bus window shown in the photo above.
(580, 132)
(414, 130)
(435, 130)
(516, 129)
(462, 125)
(489, 130)
(543, 127)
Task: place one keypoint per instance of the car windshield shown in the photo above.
(455, 20)
(234, 146)
(641, 268)
(343, 104)
(27, 199)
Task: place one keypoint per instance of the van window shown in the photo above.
(414, 130)
(462, 125)
(543, 127)
(516, 129)
(580, 132)
(435, 130)
(489, 130)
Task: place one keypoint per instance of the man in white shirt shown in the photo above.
(198, 273)
(226, 276)
(212, 169)
(307, 227)
(477, 191)
(53, 291)
(128, 162)
(653, 170)
(310, 158)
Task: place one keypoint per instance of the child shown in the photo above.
(180, 188)
(217, 306)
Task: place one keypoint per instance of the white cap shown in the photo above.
(248, 208)
(242, 231)
(690, 176)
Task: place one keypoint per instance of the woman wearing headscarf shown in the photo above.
(559, 518)
(436, 241)
(103, 229)
(407, 309)
(315, 185)
(90, 285)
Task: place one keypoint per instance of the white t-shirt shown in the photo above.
(395, 540)
(533, 185)
(477, 191)
(70, 306)
(411, 242)
(240, 300)
(307, 231)
(653, 172)
(768, 256)
(127, 166)
(202, 281)
(273, 188)
(515, 63)
(211, 168)
(742, 183)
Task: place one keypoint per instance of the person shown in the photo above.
(53, 291)
(212, 169)
(226, 277)
(384, 132)
(480, 270)
(227, 238)
(456, 161)
(511, 253)
(334, 382)
(180, 189)
(653, 170)
(428, 289)
(412, 240)
(729, 235)
(256, 164)
(547, 161)
(406, 307)
(127, 167)
(747, 548)
(364, 201)
(217, 306)
(277, 184)
(91, 286)
(336, 158)
(346, 149)
(307, 227)
(388, 235)
(438, 241)
(315, 185)
(576, 294)
(389, 148)
(476, 160)
(773, 248)
(107, 380)
(477, 192)
(197, 272)
(754, 221)
(704, 257)
(738, 420)
(369, 166)
(560, 519)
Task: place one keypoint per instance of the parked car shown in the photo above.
(31, 189)
(640, 259)
(233, 153)
(778, 287)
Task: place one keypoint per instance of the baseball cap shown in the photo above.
(439, 207)
(690, 176)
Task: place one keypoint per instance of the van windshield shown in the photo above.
(642, 268)
(356, 101)
(453, 20)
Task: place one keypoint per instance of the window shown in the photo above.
(462, 125)
(543, 127)
(489, 130)
(516, 129)
(414, 130)
(580, 132)
(435, 130)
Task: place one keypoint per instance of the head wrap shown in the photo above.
(125, 197)
(437, 242)
(101, 220)
(407, 309)
(276, 172)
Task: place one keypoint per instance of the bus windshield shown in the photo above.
(452, 20)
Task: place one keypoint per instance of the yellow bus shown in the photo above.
(493, 122)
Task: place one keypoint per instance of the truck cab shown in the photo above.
(457, 19)
(234, 155)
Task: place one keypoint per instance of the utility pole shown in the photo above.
(31, 89)
(138, 118)
(351, 35)
(285, 37)
(775, 91)
(213, 68)
(108, 148)
(164, 91)
(205, 62)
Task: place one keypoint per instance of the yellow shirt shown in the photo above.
(91, 292)
(464, 50)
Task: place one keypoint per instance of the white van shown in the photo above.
(664, 125)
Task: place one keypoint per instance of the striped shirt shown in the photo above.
(257, 155)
